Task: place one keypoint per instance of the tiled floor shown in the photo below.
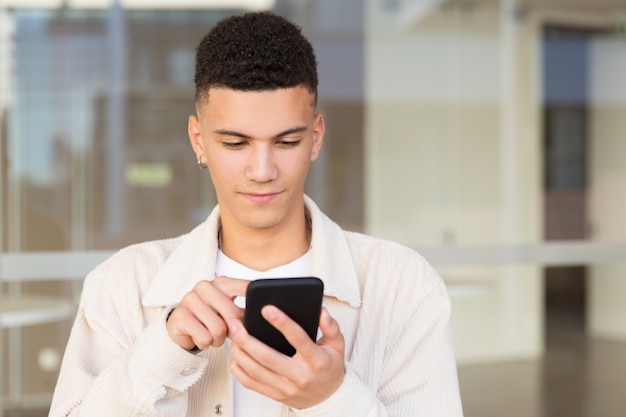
(577, 377)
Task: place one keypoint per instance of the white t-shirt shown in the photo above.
(248, 403)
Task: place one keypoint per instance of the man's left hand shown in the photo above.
(309, 377)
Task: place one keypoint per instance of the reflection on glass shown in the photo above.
(453, 125)
(96, 155)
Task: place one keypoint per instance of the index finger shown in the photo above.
(293, 332)
(232, 287)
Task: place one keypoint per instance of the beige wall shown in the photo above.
(443, 118)
(607, 286)
(436, 167)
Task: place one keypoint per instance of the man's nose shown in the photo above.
(261, 165)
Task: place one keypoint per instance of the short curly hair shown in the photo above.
(257, 51)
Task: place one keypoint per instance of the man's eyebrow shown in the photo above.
(291, 131)
(227, 132)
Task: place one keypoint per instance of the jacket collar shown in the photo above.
(194, 258)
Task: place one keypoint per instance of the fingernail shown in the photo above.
(269, 311)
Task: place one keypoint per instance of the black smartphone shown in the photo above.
(299, 298)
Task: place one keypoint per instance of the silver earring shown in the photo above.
(202, 165)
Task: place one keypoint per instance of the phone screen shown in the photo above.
(299, 298)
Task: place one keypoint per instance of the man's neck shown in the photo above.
(264, 249)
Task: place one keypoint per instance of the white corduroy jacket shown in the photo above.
(392, 308)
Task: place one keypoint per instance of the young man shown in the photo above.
(159, 329)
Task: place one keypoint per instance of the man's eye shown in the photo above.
(288, 143)
(233, 145)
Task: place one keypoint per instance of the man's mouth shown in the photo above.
(261, 198)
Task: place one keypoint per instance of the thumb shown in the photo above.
(331, 334)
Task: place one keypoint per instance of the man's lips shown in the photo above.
(260, 198)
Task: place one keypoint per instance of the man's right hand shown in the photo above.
(199, 321)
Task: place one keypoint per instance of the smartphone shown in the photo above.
(299, 298)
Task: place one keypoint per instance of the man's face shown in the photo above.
(258, 147)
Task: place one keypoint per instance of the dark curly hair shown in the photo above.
(254, 52)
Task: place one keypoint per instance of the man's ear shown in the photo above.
(195, 136)
(318, 136)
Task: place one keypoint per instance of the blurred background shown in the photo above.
(490, 135)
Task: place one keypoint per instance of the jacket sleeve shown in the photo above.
(115, 366)
(418, 376)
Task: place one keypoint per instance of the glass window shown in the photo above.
(488, 135)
